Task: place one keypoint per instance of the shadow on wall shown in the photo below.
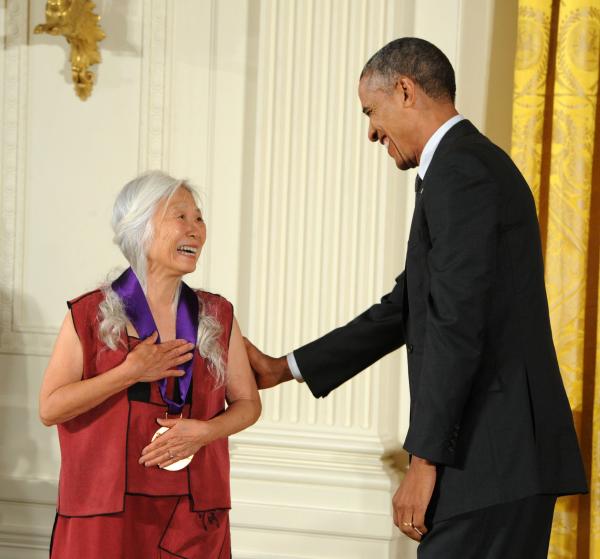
(498, 118)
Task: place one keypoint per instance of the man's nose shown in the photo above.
(373, 136)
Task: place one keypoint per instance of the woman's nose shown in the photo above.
(195, 229)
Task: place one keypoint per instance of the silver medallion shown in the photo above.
(176, 466)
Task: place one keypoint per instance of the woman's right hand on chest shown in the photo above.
(150, 361)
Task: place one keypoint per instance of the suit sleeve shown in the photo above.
(462, 215)
(336, 357)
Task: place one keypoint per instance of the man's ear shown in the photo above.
(405, 87)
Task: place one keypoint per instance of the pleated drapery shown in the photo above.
(556, 144)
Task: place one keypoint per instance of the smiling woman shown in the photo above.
(129, 355)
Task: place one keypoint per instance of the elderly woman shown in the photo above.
(137, 385)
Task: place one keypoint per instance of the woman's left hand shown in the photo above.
(184, 438)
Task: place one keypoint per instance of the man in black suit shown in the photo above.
(491, 433)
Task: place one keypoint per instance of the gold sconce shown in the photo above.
(76, 21)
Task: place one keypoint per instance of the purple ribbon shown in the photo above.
(128, 288)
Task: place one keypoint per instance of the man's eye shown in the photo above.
(200, 220)
(181, 216)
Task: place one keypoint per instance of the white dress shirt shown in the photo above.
(426, 157)
(433, 142)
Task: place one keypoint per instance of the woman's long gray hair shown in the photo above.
(134, 208)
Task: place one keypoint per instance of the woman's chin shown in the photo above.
(183, 268)
(177, 266)
(186, 264)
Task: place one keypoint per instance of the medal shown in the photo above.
(129, 290)
(176, 466)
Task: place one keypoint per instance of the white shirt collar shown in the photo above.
(433, 143)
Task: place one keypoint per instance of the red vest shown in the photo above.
(94, 444)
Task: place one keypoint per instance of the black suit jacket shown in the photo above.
(487, 400)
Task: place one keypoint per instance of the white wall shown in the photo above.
(254, 101)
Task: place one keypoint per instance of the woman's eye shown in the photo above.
(200, 220)
(181, 216)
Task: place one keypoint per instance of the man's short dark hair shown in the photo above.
(417, 59)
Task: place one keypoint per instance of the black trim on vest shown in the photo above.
(158, 496)
(162, 537)
(52, 534)
(126, 451)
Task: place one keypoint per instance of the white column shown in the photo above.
(324, 240)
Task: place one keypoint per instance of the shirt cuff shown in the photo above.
(295, 370)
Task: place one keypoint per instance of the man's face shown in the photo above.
(392, 117)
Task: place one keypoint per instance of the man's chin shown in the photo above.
(404, 165)
(401, 163)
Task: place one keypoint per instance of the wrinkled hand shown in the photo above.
(412, 498)
(269, 371)
(150, 361)
(184, 438)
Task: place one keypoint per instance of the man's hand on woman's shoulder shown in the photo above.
(269, 371)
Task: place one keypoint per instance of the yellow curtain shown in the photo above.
(556, 144)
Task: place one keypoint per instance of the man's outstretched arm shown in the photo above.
(336, 357)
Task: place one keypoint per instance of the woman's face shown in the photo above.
(179, 235)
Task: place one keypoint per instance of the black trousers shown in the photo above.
(514, 530)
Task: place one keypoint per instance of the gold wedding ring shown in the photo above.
(413, 527)
(175, 466)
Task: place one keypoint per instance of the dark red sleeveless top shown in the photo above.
(100, 448)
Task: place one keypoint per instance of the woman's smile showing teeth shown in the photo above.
(187, 250)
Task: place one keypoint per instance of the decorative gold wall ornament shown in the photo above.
(76, 21)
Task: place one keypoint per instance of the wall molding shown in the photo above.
(252, 555)
(316, 521)
(27, 509)
(297, 456)
(268, 455)
(15, 96)
(28, 505)
(153, 85)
